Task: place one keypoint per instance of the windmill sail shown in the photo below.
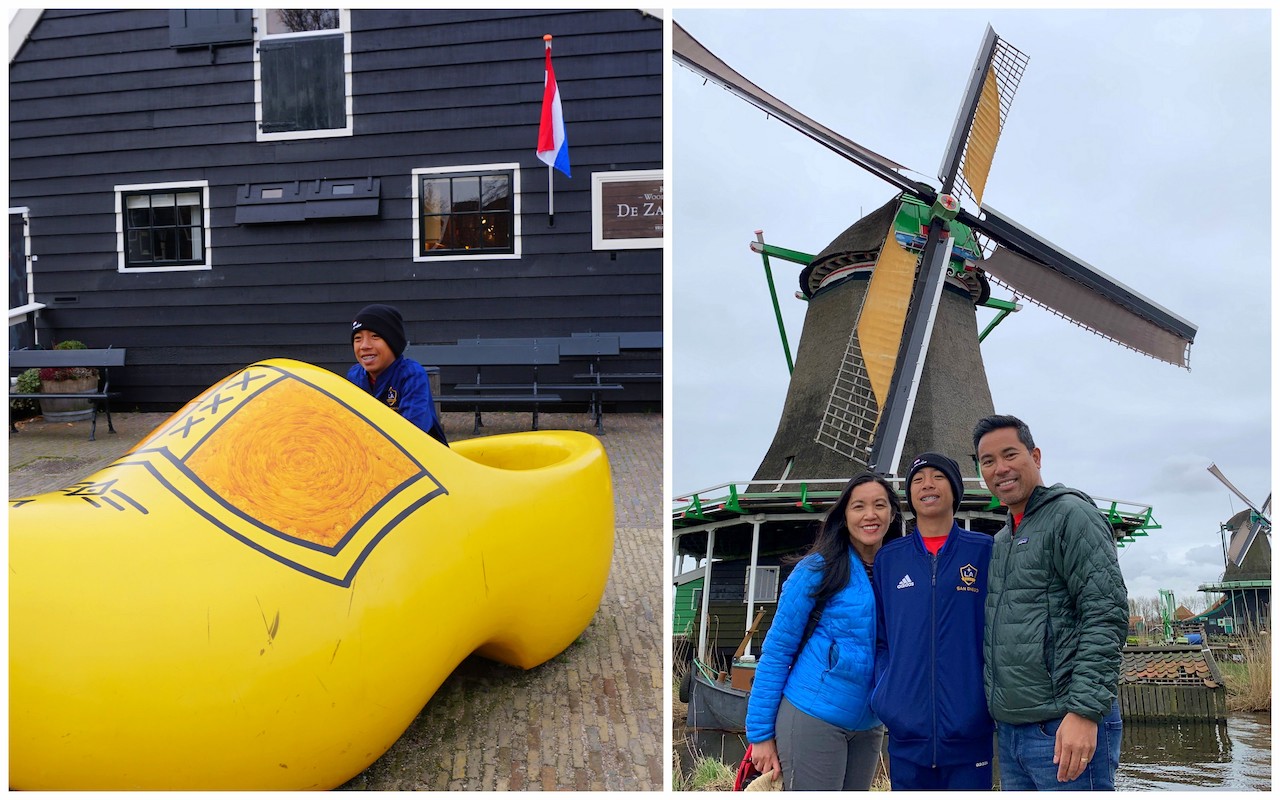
(973, 142)
(690, 53)
(865, 374)
(996, 73)
(1096, 302)
(1249, 527)
(1217, 473)
(1052, 278)
(883, 313)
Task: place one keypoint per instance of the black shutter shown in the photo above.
(200, 27)
(303, 84)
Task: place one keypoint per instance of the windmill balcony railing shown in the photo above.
(815, 495)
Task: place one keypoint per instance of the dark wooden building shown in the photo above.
(209, 188)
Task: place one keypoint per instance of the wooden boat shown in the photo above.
(714, 704)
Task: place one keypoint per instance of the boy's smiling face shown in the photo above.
(931, 494)
(373, 352)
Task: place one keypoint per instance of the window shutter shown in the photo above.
(303, 84)
(766, 585)
(200, 27)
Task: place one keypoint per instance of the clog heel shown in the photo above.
(268, 588)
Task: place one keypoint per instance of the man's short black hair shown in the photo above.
(997, 421)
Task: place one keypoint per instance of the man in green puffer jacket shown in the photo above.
(1056, 617)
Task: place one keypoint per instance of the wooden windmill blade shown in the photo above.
(1022, 260)
(689, 52)
(1032, 267)
(966, 161)
(994, 79)
(864, 375)
(1246, 534)
(1217, 473)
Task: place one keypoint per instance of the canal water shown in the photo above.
(1235, 755)
(1161, 756)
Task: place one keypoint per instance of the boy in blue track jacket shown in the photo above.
(378, 339)
(930, 590)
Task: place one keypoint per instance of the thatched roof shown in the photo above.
(860, 241)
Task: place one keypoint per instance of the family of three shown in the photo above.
(947, 640)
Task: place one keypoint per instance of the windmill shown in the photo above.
(888, 360)
(1249, 529)
(1246, 579)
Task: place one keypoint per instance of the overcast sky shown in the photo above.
(1138, 141)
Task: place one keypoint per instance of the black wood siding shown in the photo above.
(728, 608)
(100, 98)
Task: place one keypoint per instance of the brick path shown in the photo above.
(591, 718)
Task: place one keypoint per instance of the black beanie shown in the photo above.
(384, 321)
(944, 465)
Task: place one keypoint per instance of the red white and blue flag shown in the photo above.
(553, 145)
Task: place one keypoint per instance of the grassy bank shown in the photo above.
(708, 774)
(1249, 684)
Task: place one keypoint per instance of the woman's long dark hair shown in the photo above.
(832, 542)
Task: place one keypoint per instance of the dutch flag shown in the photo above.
(553, 145)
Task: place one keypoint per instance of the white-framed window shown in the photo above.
(766, 585)
(302, 73)
(163, 227)
(466, 212)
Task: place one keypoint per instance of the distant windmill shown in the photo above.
(902, 284)
(1245, 587)
(1250, 531)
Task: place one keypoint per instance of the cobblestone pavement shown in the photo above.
(591, 718)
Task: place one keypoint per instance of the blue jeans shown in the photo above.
(1026, 756)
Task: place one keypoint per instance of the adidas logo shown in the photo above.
(906, 582)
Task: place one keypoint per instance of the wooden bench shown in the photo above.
(485, 354)
(592, 347)
(627, 340)
(101, 360)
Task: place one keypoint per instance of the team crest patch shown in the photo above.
(969, 574)
(391, 397)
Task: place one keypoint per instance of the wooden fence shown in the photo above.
(1159, 703)
(1171, 682)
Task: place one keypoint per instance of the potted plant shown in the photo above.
(26, 383)
(67, 379)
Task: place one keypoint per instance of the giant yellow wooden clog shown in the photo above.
(268, 588)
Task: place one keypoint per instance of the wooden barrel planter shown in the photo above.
(1171, 682)
(67, 409)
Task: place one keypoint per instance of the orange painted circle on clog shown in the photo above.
(297, 461)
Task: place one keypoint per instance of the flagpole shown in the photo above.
(551, 196)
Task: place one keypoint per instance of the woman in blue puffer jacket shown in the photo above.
(809, 715)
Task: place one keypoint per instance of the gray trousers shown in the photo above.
(817, 755)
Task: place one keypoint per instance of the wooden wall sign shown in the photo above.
(626, 209)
